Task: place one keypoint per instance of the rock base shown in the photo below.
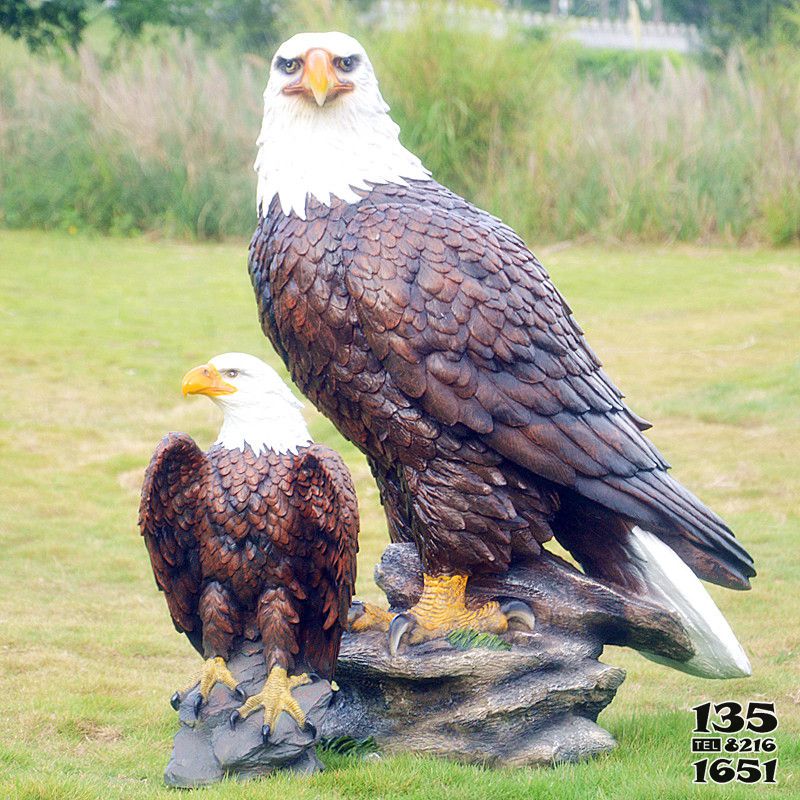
(206, 749)
(533, 704)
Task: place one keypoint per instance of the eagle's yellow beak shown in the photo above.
(206, 380)
(319, 77)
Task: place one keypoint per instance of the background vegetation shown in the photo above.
(95, 336)
(254, 22)
(157, 133)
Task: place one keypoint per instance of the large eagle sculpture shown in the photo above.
(257, 537)
(433, 338)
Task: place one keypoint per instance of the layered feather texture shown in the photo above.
(247, 545)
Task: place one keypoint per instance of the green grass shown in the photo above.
(96, 334)
(467, 638)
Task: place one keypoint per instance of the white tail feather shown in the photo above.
(718, 654)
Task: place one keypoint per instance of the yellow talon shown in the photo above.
(442, 608)
(276, 697)
(368, 617)
(213, 671)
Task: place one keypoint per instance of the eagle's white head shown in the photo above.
(326, 128)
(257, 406)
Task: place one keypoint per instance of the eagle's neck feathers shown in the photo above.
(330, 152)
(263, 427)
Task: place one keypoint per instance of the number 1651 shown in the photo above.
(725, 770)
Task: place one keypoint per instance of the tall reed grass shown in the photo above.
(163, 138)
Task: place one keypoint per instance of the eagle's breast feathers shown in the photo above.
(252, 522)
(436, 341)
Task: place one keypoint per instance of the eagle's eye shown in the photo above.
(346, 63)
(288, 65)
(231, 373)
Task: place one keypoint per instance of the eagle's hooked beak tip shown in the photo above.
(206, 380)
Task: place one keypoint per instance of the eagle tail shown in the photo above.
(669, 581)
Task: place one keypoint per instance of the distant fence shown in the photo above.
(591, 31)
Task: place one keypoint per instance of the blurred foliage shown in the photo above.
(559, 141)
(729, 21)
(787, 25)
(723, 22)
(252, 25)
(249, 24)
(616, 65)
(44, 24)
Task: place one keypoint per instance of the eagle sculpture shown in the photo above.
(433, 338)
(257, 537)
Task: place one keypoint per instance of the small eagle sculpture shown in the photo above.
(434, 339)
(257, 537)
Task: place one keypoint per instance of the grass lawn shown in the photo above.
(96, 334)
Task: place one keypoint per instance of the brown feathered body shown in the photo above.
(247, 545)
(430, 335)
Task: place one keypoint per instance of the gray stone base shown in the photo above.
(535, 704)
(206, 749)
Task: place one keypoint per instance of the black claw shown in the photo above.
(398, 628)
(175, 701)
(233, 719)
(312, 729)
(314, 676)
(265, 733)
(519, 611)
(240, 693)
(197, 704)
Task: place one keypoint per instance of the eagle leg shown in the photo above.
(442, 608)
(213, 671)
(275, 697)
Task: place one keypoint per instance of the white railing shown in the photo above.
(590, 31)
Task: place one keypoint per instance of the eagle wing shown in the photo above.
(329, 505)
(466, 320)
(171, 515)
